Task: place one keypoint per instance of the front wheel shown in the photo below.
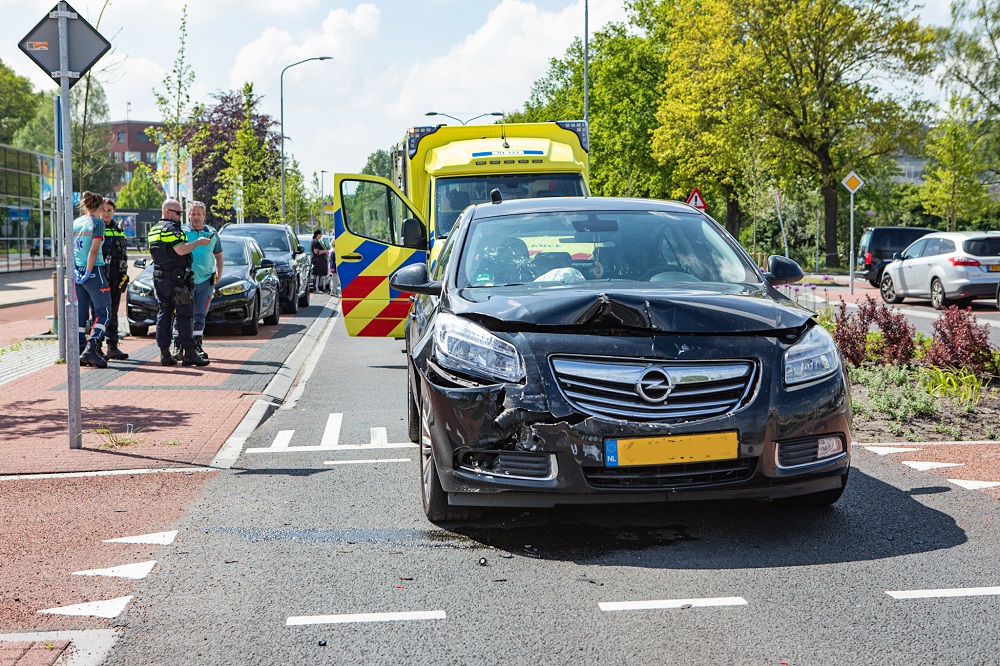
(412, 414)
(888, 291)
(252, 327)
(293, 301)
(304, 298)
(275, 316)
(433, 496)
(939, 301)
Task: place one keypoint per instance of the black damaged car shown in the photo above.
(593, 350)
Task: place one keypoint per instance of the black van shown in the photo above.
(878, 244)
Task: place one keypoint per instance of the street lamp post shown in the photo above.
(464, 122)
(282, 121)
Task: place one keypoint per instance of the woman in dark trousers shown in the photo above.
(116, 265)
(320, 262)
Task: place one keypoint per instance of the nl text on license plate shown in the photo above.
(671, 450)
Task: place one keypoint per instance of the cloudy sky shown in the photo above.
(393, 60)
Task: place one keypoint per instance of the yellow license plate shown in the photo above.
(995, 268)
(671, 450)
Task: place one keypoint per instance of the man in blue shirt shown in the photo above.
(207, 268)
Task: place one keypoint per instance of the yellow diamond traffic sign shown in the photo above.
(853, 182)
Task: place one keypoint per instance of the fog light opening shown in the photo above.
(828, 446)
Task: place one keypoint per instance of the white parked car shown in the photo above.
(946, 267)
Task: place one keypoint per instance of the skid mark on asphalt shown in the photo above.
(331, 440)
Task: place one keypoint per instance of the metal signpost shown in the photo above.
(781, 223)
(853, 183)
(65, 46)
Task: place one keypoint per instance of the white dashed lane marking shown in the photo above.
(106, 609)
(947, 592)
(366, 462)
(671, 603)
(136, 571)
(974, 485)
(365, 617)
(331, 440)
(156, 538)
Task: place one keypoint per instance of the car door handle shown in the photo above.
(351, 257)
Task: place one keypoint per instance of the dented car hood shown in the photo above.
(729, 309)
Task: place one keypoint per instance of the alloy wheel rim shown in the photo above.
(888, 293)
(426, 463)
(937, 295)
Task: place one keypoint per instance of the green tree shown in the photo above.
(953, 188)
(379, 164)
(19, 103)
(181, 119)
(38, 134)
(246, 182)
(140, 193)
(94, 169)
(808, 66)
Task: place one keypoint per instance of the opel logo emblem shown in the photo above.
(654, 386)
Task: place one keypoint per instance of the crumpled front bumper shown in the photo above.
(490, 441)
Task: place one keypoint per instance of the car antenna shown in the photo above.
(503, 135)
(495, 196)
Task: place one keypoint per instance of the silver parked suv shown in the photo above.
(947, 267)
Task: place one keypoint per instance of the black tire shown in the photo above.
(888, 291)
(432, 494)
(412, 414)
(304, 298)
(275, 317)
(939, 301)
(998, 297)
(291, 306)
(820, 500)
(138, 331)
(874, 283)
(252, 327)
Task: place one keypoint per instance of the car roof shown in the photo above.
(254, 225)
(925, 229)
(577, 204)
(965, 235)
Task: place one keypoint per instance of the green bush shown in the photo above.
(892, 391)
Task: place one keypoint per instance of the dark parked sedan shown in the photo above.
(615, 350)
(246, 293)
(292, 262)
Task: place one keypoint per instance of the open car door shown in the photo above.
(378, 231)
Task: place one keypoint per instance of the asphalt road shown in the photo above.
(287, 537)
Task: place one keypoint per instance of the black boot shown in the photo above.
(198, 349)
(191, 358)
(177, 353)
(91, 357)
(114, 352)
(166, 358)
(100, 351)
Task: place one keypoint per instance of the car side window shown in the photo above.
(366, 209)
(914, 250)
(932, 248)
(947, 246)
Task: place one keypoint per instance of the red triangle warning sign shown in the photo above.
(695, 200)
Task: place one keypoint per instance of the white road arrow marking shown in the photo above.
(974, 485)
(671, 603)
(924, 466)
(157, 538)
(365, 617)
(107, 609)
(136, 571)
(886, 450)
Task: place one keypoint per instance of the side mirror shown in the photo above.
(897, 255)
(139, 263)
(300, 250)
(415, 280)
(782, 270)
(266, 263)
(414, 234)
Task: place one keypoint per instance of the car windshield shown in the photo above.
(641, 247)
(983, 247)
(234, 254)
(273, 241)
(453, 195)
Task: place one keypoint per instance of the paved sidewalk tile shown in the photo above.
(32, 653)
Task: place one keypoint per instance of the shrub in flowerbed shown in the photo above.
(959, 341)
(894, 343)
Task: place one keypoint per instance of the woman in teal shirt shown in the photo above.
(92, 290)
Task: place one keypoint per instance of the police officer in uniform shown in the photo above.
(116, 262)
(173, 282)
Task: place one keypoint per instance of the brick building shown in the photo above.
(131, 145)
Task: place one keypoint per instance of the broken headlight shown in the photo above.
(469, 348)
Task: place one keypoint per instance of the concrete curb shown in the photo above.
(28, 302)
(275, 392)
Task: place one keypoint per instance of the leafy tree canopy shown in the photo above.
(19, 103)
(140, 193)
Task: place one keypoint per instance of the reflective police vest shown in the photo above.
(115, 252)
(162, 239)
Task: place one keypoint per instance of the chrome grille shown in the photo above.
(643, 390)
